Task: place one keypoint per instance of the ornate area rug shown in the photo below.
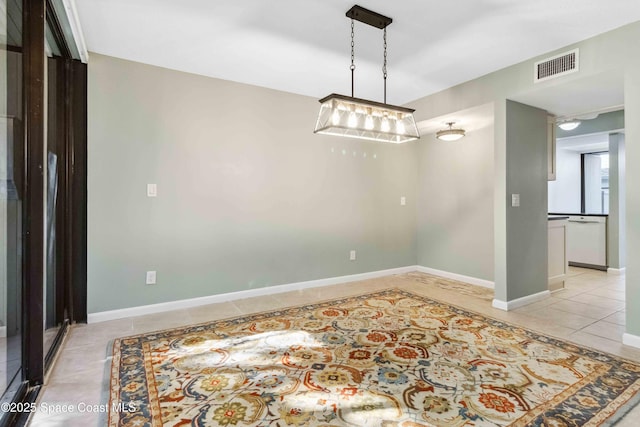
(451, 285)
(387, 359)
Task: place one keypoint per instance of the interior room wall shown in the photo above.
(632, 202)
(248, 197)
(527, 226)
(455, 203)
(616, 227)
(611, 52)
(564, 192)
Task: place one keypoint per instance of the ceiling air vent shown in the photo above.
(556, 66)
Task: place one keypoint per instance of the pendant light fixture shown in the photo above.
(360, 118)
(450, 134)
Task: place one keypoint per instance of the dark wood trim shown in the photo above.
(33, 208)
(10, 48)
(56, 136)
(592, 266)
(67, 131)
(77, 187)
(68, 183)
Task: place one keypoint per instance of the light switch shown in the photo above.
(151, 278)
(403, 201)
(515, 200)
(152, 190)
(352, 255)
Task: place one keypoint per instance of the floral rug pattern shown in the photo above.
(387, 359)
(451, 285)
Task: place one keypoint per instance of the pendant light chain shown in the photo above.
(353, 65)
(384, 66)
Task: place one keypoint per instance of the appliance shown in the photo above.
(360, 118)
(450, 134)
(587, 241)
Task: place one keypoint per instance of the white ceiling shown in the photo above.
(585, 143)
(303, 46)
(470, 120)
(595, 93)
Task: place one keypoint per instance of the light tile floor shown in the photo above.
(589, 311)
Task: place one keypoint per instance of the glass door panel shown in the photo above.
(10, 192)
(54, 314)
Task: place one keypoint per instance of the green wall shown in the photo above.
(615, 51)
(616, 222)
(248, 196)
(632, 199)
(455, 200)
(527, 225)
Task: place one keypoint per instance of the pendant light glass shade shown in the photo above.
(569, 124)
(450, 134)
(359, 118)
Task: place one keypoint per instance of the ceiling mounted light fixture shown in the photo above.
(569, 124)
(450, 134)
(360, 118)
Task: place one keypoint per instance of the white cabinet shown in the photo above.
(558, 264)
(587, 241)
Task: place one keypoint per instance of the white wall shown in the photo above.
(564, 192)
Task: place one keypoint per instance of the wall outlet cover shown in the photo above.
(352, 255)
(151, 278)
(152, 190)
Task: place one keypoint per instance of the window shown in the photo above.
(595, 183)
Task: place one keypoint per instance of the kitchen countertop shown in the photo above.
(556, 217)
(575, 214)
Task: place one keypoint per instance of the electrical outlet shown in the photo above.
(352, 255)
(515, 200)
(403, 201)
(152, 190)
(151, 277)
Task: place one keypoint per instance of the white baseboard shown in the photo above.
(104, 316)
(631, 340)
(616, 270)
(520, 302)
(459, 277)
